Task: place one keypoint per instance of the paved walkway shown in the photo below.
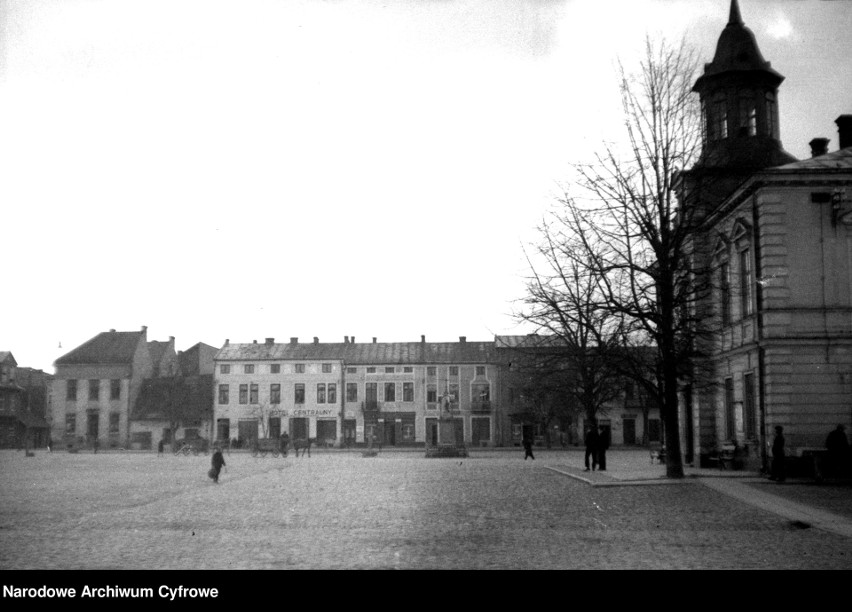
(796, 500)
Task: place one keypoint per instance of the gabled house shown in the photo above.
(95, 387)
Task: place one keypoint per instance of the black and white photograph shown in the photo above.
(457, 285)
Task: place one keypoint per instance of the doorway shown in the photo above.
(92, 425)
(298, 428)
(390, 433)
(349, 429)
(629, 426)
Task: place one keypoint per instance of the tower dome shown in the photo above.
(739, 94)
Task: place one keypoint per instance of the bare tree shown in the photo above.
(581, 336)
(632, 240)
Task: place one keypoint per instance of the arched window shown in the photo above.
(748, 116)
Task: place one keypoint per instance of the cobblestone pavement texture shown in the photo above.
(399, 510)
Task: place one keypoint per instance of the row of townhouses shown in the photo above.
(341, 394)
(779, 232)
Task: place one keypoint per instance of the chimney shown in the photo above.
(145, 328)
(352, 339)
(462, 339)
(227, 340)
(270, 341)
(294, 341)
(422, 338)
(374, 339)
(316, 340)
(844, 130)
(172, 339)
(254, 341)
(345, 339)
(112, 331)
(819, 146)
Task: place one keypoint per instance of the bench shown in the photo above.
(727, 457)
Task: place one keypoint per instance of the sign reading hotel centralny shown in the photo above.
(304, 412)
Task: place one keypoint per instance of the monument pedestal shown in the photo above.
(447, 445)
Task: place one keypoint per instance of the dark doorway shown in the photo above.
(298, 429)
(92, 425)
(223, 430)
(247, 431)
(390, 433)
(480, 430)
(327, 432)
(629, 431)
(349, 432)
(274, 427)
(432, 432)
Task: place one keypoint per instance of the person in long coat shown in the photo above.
(603, 445)
(217, 462)
(778, 471)
(528, 449)
(591, 440)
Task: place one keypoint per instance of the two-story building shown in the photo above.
(96, 386)
(778, 238)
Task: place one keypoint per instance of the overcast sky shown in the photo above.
(246, 169)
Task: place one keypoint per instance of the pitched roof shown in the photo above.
(363, 353)
(106, 348)
(528, 341)
(4, 355)
(841, 159)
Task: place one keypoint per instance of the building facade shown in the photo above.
(350, 393)
(96, 386)
(778, 238)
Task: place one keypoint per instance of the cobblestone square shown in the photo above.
(339, 510)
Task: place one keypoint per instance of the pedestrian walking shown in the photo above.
(96, 444)
(217, 462)
(591, 441)
(160, 446)
(603, 445)
(50, 445)
(778, 473)
(838, 451)
(284, 443)
(528, 449)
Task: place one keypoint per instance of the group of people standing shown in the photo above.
(596, 439)
(838, 456)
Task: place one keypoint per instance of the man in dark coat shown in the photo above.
(778, 472)
(591, 440)
(603, 445)
(284, 443)
(218, 462)
(838, 451)
(528, 449)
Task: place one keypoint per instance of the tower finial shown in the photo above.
(735, 18)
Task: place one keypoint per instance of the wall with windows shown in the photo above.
(783, 285)
(260, 398)
(97, 400)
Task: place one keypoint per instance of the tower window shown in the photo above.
(719, 121)
(748, 117)
(770, 116)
